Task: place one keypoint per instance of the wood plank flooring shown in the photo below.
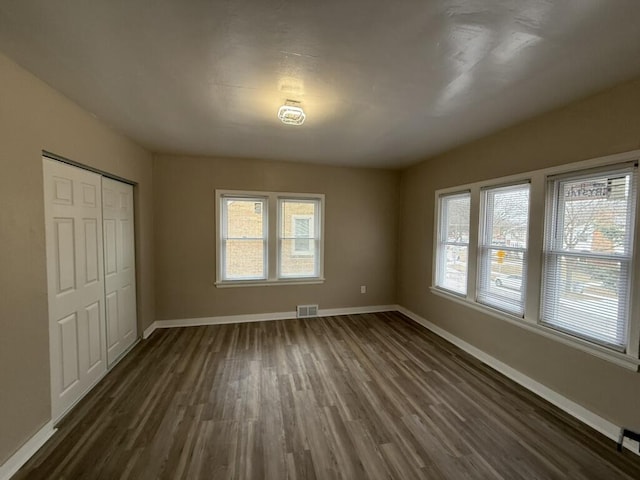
(370, 396)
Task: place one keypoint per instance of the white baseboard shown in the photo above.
(332, 312)
(593, 420)
(262, 317)
(149, 330)
(18, 459)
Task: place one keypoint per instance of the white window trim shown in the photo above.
(537, 195)
(440, 260)
(552, 248)
(265, 237)
(317, 228)
(482, 237)
(272, 235)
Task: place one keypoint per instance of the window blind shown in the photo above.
(587, 255)
(502, 253)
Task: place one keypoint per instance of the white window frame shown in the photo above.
(272, 215)
(315, 231)
(442, 242)
(484, 261)
(223, 237)
(537, 200)
(553, 237)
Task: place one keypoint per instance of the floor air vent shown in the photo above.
(305, 311)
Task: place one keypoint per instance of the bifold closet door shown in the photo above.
(119, 267)
(75, 277)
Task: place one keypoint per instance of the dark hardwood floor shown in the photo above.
(353, 397)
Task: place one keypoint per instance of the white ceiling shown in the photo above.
(384, 83)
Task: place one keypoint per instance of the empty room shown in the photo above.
(267, 239)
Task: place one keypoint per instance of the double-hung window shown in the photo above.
(453, 242)
(299, 239)
(269, 237)
(502, 251)
(243, 239)
(550, 250)
(587, 254)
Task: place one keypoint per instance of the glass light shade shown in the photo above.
(291, 115)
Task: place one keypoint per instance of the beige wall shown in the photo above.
(33, 117)
(360, 240)
(604, 124)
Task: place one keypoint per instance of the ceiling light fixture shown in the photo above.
(291, 114)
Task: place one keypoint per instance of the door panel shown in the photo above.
(94, 332)
(120, 267)
(112, 320)
(69, 349)
(65, 258)
(110, 247)
(91, 250)
(73, 224)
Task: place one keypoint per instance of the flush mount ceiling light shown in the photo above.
(291, 113)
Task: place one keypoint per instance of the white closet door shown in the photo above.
(73, 225)
(119, 263)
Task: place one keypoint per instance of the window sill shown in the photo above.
(268, 283)
(604, 353)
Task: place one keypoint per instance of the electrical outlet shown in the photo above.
(363, 289)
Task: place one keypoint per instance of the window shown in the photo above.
(453, 242)
(587, 255)
(503, 248)
(243, 238)
(552, 251)
(298, 244)
(268, 237)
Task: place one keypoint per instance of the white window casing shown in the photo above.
(451, 271)
(502, 251)
(299, 237)
(251, 243)
(588, 254)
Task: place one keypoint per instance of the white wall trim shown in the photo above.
(593, 420)
(332, 312)
(24, 453)
(262, 317)
(149, 330)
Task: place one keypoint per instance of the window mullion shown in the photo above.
(472, 250)
(272, 237)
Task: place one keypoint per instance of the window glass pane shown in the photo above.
(302, 233)
(244, 224)
(244, 259)
(594, 214)
(453, 250)
(502, 272)
(586, 271)
(293, 264)
(502, 284)
(245, 218)
(456, 218)
(299, 242)
(454, 274)
(507, 216)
